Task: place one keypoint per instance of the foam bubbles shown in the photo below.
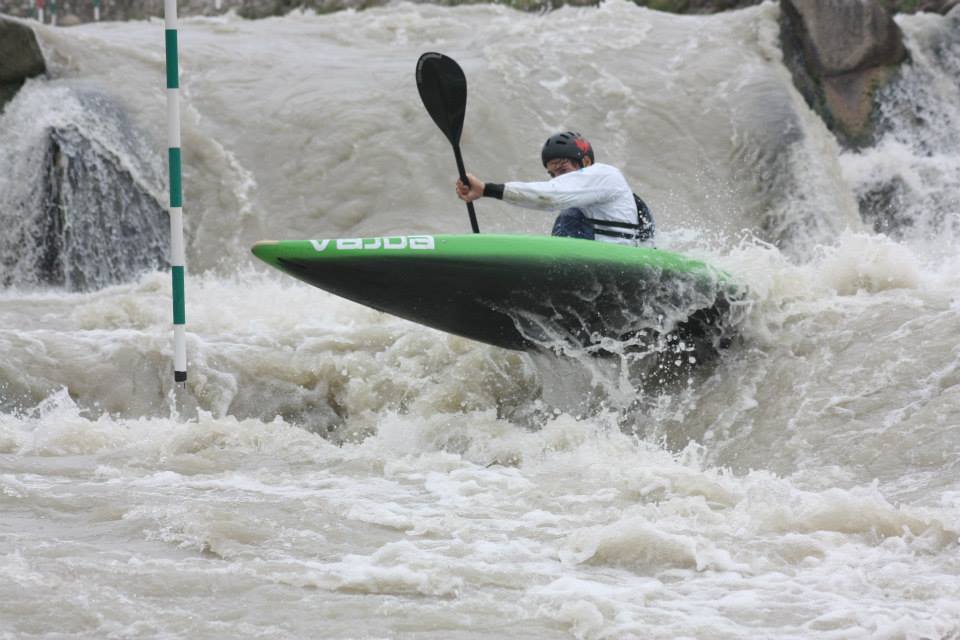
(869, 263)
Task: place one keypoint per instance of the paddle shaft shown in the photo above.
(463, 179)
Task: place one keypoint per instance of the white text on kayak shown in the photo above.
(392, 242)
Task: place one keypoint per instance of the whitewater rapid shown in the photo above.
(330, 471)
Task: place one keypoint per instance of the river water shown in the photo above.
(332, 472)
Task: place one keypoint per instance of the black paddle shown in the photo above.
(443, 89)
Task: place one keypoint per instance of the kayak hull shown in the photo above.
(515, 292)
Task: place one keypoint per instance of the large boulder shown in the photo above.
(97, 225)
(20, 57)
(840, 53)
(83, 209)
(91, 224)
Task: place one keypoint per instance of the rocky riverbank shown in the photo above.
(71, 12)
(840, 52)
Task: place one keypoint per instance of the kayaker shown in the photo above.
(594, 199)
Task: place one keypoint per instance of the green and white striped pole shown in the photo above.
(96, 10)
(176, 194)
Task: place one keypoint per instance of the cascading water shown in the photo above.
(907, 183)
(80, 208)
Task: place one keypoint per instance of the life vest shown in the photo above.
(642, 230)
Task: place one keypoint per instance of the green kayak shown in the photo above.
(517, 291)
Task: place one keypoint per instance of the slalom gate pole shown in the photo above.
(53, 13)
(40, 11)
(96, 10)
(177, 257)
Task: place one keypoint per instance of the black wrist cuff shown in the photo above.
(493, 190)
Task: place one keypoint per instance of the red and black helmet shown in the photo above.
(568, 144)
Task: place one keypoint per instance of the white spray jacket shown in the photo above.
(600, 191)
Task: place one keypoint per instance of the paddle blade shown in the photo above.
(443, 89)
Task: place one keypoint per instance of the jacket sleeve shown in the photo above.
(575, 189)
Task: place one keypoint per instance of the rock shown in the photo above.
(97, 225)
(882, 206)
(840, 53)
(69, 20)
(94, 226)
(841, 36)
(697, 6)
(20, 57)
(925, 6)
(85, 211)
